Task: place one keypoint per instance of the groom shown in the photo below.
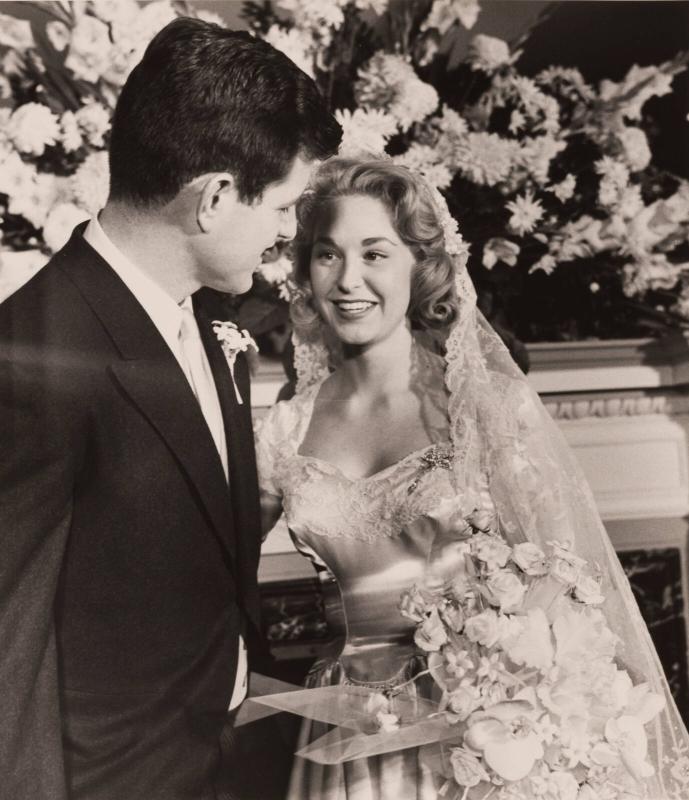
(129, 520)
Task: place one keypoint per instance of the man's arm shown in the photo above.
(36, 468)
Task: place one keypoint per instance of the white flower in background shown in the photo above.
(488, 53)
(635, 147)
(15, 33)
(614, 179)
(526, 212)
(654, 272)
(60, 223)
(364, 131)
(564, 189)
(16, 176)
(17, 267)
(546, 263)
(445, 13)
(296, 43)
(423, 159)
(485, 158)
(536, 153)
(630, 203)
(94, 121)
(32, 127)
(118, 12)
(389, 82)
(498, 249)
(37, 198)
(277, 273)
(451, 122)
(5, 88)
(377, 6)
(210, 16)
(131, 37)
(58, 34)
(91, 182)
(70, 136)
(517, 121)
(319, 16)
(641, 83)
(89, 49)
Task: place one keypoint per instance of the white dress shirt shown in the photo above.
(168, 316)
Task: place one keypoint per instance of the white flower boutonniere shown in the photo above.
(233, 341)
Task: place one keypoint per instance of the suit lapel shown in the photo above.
(150, 376)
(240, 446)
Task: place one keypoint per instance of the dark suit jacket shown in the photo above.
(127, 566)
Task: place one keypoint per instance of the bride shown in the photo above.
(409, 418)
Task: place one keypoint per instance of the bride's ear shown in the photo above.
(216, 197)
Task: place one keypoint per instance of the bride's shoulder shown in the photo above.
(284, 418)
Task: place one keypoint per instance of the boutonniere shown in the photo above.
(233, 341)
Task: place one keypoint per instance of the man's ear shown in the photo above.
(217, 190)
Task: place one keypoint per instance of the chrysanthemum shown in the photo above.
(32, 127)
(526, 212)
(90, 184)
(364, 131)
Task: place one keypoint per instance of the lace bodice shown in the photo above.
(374, 534)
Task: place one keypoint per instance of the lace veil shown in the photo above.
(500, 429)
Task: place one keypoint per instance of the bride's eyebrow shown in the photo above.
(374, 239)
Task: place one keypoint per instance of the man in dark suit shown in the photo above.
(129, 516)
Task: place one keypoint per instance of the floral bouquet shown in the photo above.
(525, 662)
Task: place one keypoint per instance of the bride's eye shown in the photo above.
(374, 255)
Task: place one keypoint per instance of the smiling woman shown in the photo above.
(416, 464)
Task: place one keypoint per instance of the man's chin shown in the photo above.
(238, 284)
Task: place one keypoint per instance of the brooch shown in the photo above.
(438, 457)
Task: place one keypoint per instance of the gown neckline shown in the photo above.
(310, 402)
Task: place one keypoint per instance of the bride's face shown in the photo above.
(360, 271)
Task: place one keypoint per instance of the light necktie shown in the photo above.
(198, 372)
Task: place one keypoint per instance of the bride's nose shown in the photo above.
(350, 275)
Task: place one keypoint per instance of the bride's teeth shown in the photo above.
(360, 306)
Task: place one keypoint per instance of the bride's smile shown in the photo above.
(360, 271)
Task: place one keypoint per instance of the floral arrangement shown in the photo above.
(573, 231)
(60, 87)
(525, 662)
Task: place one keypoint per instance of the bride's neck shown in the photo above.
(382, 368)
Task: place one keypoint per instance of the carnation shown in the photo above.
(89, 49)
(364, 131)
(70, 137)
(94, 121)
(32, 127)
(389, 82)
(488, 53)
(36, 199)
(296, 43)
(91, 183)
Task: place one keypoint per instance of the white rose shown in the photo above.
(483, 628)
(431, 634)
(32, 127)
(504, 589)
(587, 590)
(488, 53)
(492, 550)
(530, 558)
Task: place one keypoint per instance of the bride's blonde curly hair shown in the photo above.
(434, 303)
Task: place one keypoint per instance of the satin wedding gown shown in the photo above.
(374, 535)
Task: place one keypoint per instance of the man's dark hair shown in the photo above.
(207, 99)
